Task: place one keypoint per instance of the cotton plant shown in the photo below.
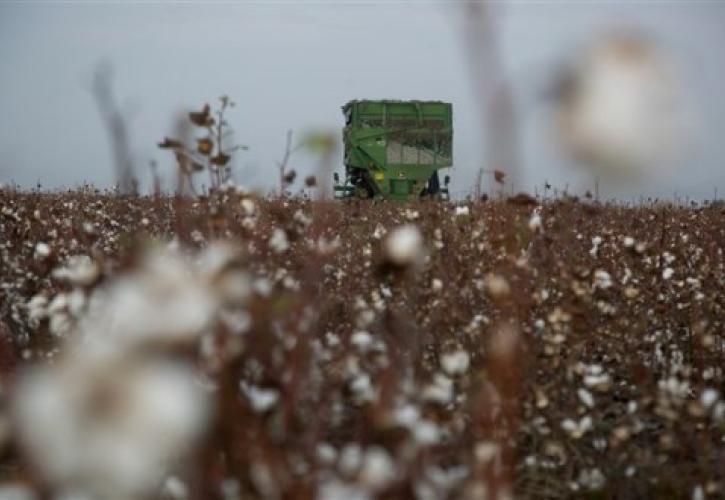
(118, 409)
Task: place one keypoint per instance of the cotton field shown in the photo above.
(240, 347)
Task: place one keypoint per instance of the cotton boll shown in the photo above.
(248, 206)
(709, 397)
(462, 210)
(108, 428)
(37, 308)
(78, 270)
(259, 398)
(440, 390)
(404, 246)
(362, 340)
(378, 468)
(335, 489)
(586, 397)
(620, 109)
(175, 488)
(161, 302)
(42, 251)
(496, 286)
(602, 279)
(536, 224)
(455, 363)
(278, 242)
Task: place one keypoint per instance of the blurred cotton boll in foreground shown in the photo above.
(620, 109)
(110, 430)
(119, 407)
(163, 301)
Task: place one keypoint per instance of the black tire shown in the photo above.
(363, 188)
(434, 185)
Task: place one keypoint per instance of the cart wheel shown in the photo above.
(361, 192)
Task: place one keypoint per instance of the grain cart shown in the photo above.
(394, 149)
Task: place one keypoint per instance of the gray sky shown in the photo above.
(291, 65)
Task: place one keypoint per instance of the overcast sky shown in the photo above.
(291, 65)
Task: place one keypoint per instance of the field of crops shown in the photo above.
(241, 347)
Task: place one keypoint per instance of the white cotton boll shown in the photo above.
(138, 317)
(496, 286)
(596, 241)
(248, 206)
(218, 265)
(536, 223)
(380, 231)
(462, 211)
(301, 218)
(60, 324)
(667, 273)
(278, 242)
(718, 412)
(326, 453)
(197, 236)
(378, 468)
(259, 398)
(455, 363)
(425, 432)
(37, 308)
(362, 387)
(175, 488)
(76, 302)
(109, 429)
(404, 246)
(335, 490)
(586, 397)
(486, 451)
(262, 286)
(592, 479)
(78, 270)
(577, 429)
(58, 304)
(362, 340)
(233, 286)
(599, 381)
(60, 320)
(412, 214)
(215, 258)
(709, 397)
(350, 458)
(569, 425)
(440, 391)
(42, 251)
(236, 321)
(406, 415)
(620, 111)
(161, 302)
(602, 279)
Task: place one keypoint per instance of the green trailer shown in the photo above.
(394, 149)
